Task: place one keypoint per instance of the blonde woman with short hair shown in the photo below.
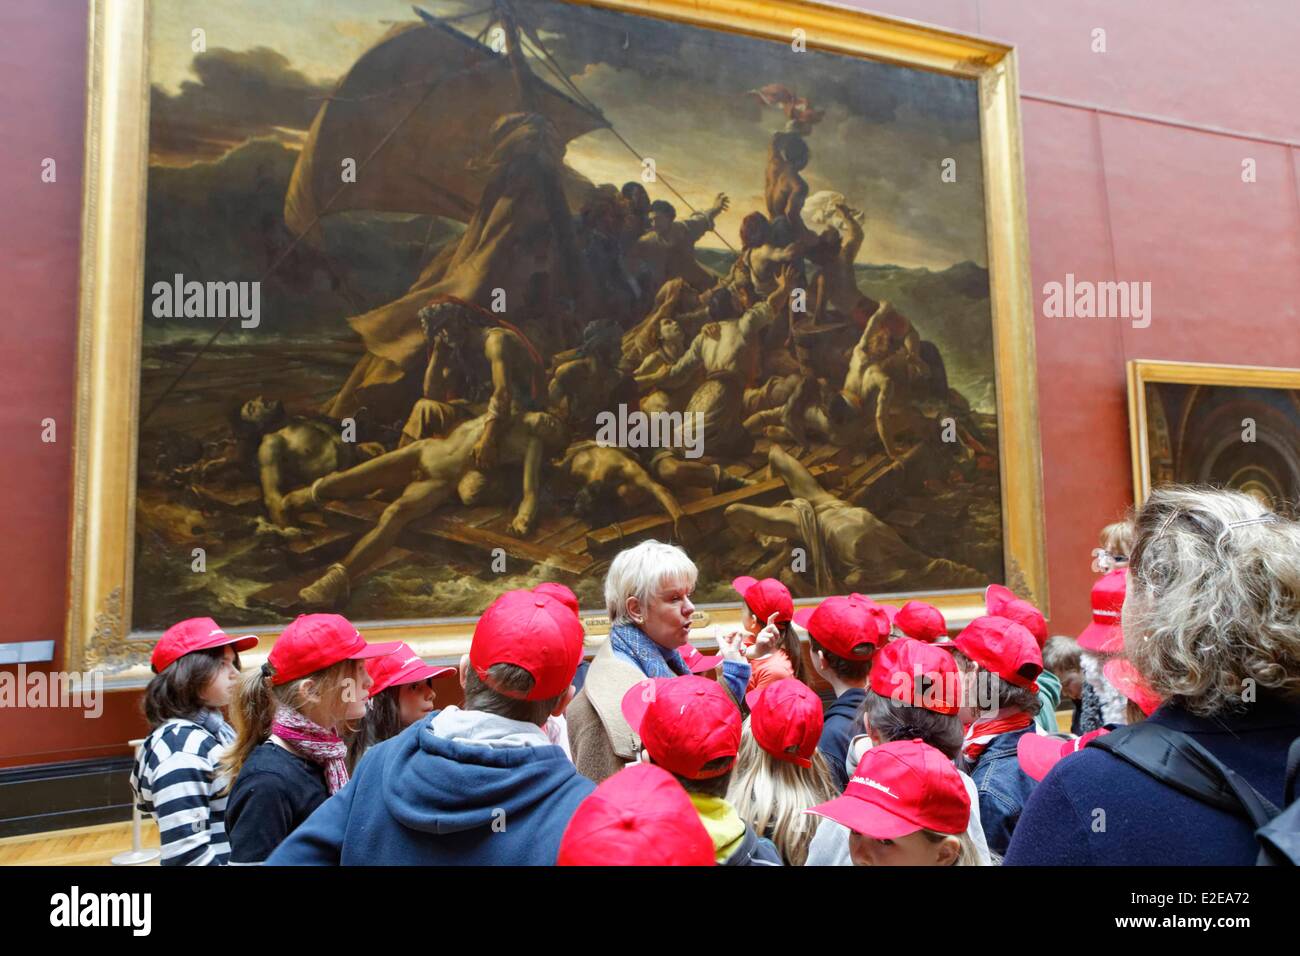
(1211, 623)
(648, 598)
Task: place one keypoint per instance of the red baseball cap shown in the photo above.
(1001, 602)
(193, 634)
(890, 610)
(1000, 645)
(561, 593)
(917, 674)
(684, 722)
(1125, 679)
(786, 720)
(534, 631)
(899, 788)
(313, 642)
(922, 621)
(698, 663)
(640, 816)
(1039, 753)
(765, 597)
(846, 626)
(403, 666)
(1104, 634)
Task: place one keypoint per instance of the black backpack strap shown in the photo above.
(1292, 769)
(1178, 761)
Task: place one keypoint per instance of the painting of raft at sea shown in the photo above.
(446, 300)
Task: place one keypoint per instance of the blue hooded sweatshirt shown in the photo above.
(425, 800)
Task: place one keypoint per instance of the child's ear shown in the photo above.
(462, 669)
(564, 701)
(948, 851)
(306, 692)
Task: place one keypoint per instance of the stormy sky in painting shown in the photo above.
(677, 94)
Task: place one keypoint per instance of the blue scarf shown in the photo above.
(212, 721)
(653, 660)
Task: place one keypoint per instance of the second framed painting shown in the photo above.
(387, 310)
(1233, 426)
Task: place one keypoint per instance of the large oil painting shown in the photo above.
(442, 300)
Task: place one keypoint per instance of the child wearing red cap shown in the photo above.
(175, 775)
(779, 770)
(1001, 663)
(289, 756)
(401, 693)
(476, 785)
(843, 634)
(1102, 703)
(913, 694)
(1002, 602)
(771, 645)
(640, 816)
(691, 727)
(906, 806)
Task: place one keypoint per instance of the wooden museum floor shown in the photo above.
(80, 846)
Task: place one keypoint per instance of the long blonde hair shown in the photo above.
(771, 794)
(255, 703)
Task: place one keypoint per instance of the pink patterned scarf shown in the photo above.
(313, 742)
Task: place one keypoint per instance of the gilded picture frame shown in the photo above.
(100, 633)
(1227, 440)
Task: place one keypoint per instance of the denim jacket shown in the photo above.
(1003, 788)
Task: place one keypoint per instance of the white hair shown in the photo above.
(642, 571)
(1213, 598)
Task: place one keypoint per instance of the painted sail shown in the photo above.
(414, 115)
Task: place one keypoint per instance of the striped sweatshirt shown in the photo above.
(175, 778)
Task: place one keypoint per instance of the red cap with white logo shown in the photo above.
(899, 788)
(193, 634)
(403, 666)
(1104, 634)
(313, 642)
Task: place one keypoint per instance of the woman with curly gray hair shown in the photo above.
(1212, 624)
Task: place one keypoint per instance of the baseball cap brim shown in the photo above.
(1103, 638)
(801, 616)
(375, 650)
(423, 672)
(242, 643)
(743, 584)
(702, 663)
(636, 701)
(869, 819)
(1039, 753)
